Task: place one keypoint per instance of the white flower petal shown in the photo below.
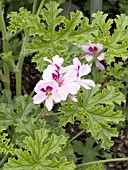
(86, 83)
(49, 103)
(76, 62)
(39, 86)
(63, 93)
(101, 57)
(38, 98)
(46, 59)
(84, 48)
(56, 97)
(72, 87)
(99, 65)
(70, 76)
(85, 69)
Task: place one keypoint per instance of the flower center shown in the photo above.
(93, 49)
(47, 91)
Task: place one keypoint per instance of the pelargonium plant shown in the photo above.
(70, 119)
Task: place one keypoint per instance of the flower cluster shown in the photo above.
(90, 51)
(58, 82)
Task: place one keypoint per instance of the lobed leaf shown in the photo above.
(37, 153)
(96, 112)
(5, 146)
(115, 43)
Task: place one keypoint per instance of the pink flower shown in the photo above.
(81, 70)
(90, 51)
(56, 62)
(66, 81)
(46, 91)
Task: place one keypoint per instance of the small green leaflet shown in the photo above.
(16, 111)
(38, 152)
(88, 151)
(5, 146)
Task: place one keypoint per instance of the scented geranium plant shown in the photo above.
(84, 84)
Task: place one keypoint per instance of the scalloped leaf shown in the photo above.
(54, 35)
(88, 151)
(18, 20)
(5, 146)
(13, 113)
(96, 112)
(38, 151)
(116, 43)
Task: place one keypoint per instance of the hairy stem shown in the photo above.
(4, 159)
(34, 7)
(69, 7)
(6, 70)
(96, 5)
(78, 134)
(16, 33)
(102, 161)
(40, 7)
(19, 66)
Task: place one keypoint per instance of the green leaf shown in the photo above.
(17, 20)
(98, 166)
(6, 97)
(98, 76)
(13, 113)
(88, 151)
(37, 153)
(116, 43)
(96, 112)
(53, 36)
(5, 146)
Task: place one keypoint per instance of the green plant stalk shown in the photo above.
(18, 71)
(102, 161)
(96, 5)
(40, 7)
(69, 7)
(78, 134)
(95, 57)
(34, 7)
(4, 159)
(6, 70)
(13, 35)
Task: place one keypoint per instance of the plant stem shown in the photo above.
(96, 5)
(103, 161)
(4, 159)
(78, 134)
(5, 49)
(41, 113)
(55, 114)
(69, 7)
(16, 33)
(34, 7)
(40, 7)
(95, 57)
(19, 66)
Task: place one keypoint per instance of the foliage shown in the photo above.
(96, 112)
(48, 39)
(5, 147)
(38, 152)
(33, 137)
